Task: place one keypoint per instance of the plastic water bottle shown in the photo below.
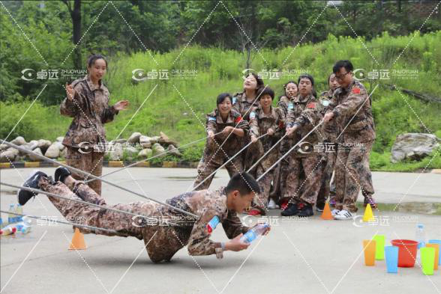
(253, 233)
(24, 227)
(420, 236)
(8, 230)
(11, 216)
(19, 210)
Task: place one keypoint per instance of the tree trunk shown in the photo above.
(76, 23)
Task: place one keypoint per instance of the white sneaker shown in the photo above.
(335, 211)
(344, 215)
(272, 204)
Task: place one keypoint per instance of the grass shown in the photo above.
(178, 106)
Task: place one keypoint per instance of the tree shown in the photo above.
(75, 13)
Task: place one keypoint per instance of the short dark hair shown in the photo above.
(222, 97)
(244, 183)
(265, 91)
(306, 76)
(94, 57)
(343, 63)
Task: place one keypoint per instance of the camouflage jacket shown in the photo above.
(306, 115)
(330, 130)
(285, 104)
(207, 205)
(261, 122)
(241, 105)
(352, 110)
(90, 111)
(216, 124)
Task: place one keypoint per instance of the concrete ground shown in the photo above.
(298, 256)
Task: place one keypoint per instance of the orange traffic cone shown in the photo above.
(78, 242)
(327, 214)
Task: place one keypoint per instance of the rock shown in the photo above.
(3, 147)
(131, 152)
(44, 144)
(60, 145)
(8, 155)
(60, 139)
(116, 152)
(27, 147)
(158, 149)
(33, 144)
(63, 153)
(145, 153)
(145, 141)
(165, 140)
(121, 141)
(414, 146)
(155, 139)
(134, 138)
(53, 151)
(173, 151)
(33, 157)
(19, 141)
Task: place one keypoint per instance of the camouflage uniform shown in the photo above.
(214, 156)
(282, 169)
(353, 115)
(241, 105)
(90, 110)
(306, 115)
(259, 126)
(173, 229)
(330, 133)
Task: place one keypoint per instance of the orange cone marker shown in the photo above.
(78, 242)
(327, 214)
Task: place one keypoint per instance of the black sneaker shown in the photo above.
(291, 210)
(31, 182)
(61, 173)
(306, 211)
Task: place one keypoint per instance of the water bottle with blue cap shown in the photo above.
(254, 232)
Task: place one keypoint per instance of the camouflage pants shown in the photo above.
(352, 172)
(210, 162)
(325, 189)
(161, 242)
(265, 164)
(281, 171)
(89, 162)
(251, 155)
(307, 190)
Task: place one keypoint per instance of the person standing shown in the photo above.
(224, 123)
(351, 109)
(306, 159)
(87, 102)
(243, 103)
(285, 103)
(330, 134)
(270, 121)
